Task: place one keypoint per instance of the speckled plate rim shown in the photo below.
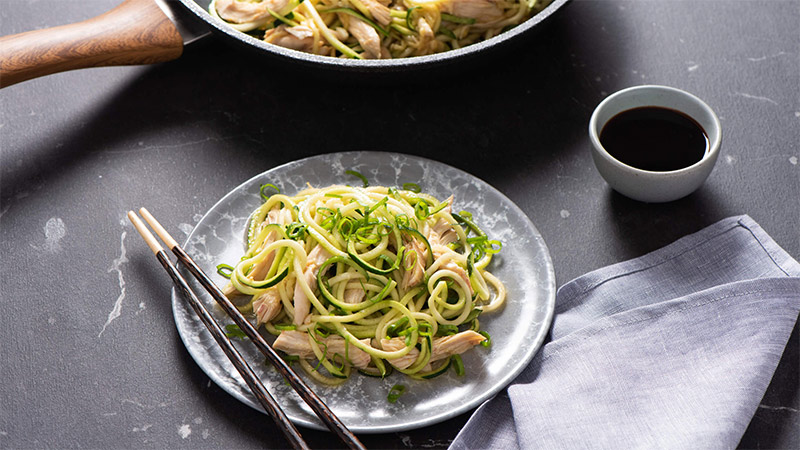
(206, 354)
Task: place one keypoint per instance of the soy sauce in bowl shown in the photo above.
(654, 138)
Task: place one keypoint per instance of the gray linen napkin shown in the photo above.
(674, 349)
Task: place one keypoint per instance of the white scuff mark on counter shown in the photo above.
(756, 97)
(54, 231)
(198, 420)
(763, 58)
(51, 320)
(116, 266)
(564, 213)
(143, 428)
(694, 66)
(205, 433)
(730, 159)
(184, 430)
(142, 147)
(777, 408)
(793, 160)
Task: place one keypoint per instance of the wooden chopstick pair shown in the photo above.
(262, 394)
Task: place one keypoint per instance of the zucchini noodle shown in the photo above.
(374, 29)
(368, 278)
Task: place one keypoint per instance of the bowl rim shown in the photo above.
(708, 158)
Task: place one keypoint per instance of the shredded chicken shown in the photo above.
(275, 215)
(299, 38)
(482, 11)
(395, 344)
(455, 344)
(443, 347)
(440, 252)
(259, 271)
(441, 234)
(242, 12)
(380, 12)
(230, 291)
(302, 305)
(267, 305)
(296, 343)
(364, 34)
(353, 295)
(413, 262)
(427, 38)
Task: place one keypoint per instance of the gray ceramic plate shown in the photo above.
(517, 330)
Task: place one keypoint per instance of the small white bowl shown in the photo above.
(644, 185)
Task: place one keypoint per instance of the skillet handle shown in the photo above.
(135, 32)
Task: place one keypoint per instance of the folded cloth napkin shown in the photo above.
(674, 349)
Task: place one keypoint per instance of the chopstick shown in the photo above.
(261, 393)
(314, 402)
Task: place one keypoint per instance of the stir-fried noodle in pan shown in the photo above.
(374, 29)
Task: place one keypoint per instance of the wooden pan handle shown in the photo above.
(135, 32)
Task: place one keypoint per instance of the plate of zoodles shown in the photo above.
(404, 290)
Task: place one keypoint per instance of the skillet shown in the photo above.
(151, 31)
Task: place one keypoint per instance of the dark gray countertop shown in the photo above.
(90, 355)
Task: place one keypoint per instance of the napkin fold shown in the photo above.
(673, 349)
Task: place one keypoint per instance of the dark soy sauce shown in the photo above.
(654, 138)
